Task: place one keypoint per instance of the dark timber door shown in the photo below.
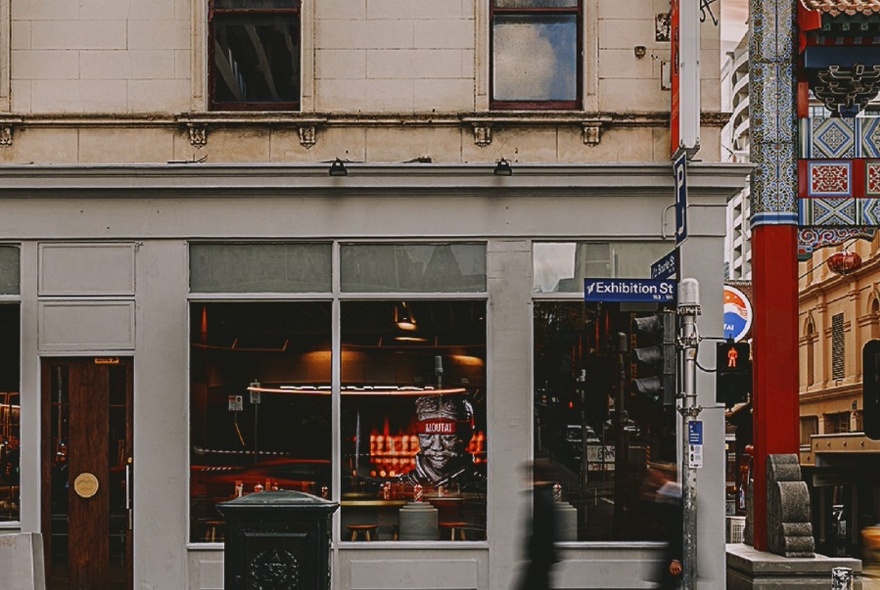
(86, 472)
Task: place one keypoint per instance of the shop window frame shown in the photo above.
(215, 14)
(536, 13)
(336, 296)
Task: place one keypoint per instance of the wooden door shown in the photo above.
(86, 473)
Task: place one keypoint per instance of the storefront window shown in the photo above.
(260, 405)
(413, 416)
(260, 268)
(560, 267)
(10, 275)
(592, 423)
(10, 413)
(413, 268)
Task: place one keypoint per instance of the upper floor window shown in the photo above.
(254, 52)
(536, 57)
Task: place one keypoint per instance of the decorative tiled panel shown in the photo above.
(833, 138)
(839, 137)
(869, 133)
(775, 179)
(773, 118)
(869, 211)
(828, 212)
(829, 179)
(872, 178)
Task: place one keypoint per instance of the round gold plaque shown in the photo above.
(85, 485)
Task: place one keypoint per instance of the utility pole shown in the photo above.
(688, 310)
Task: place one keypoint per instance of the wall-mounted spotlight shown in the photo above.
(337, 168)
(502, 168)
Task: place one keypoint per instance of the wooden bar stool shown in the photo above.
(452, 527)
(367, 529)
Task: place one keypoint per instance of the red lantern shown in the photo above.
(844, 263)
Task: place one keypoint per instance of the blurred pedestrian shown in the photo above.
(666, 499)
(542, 531)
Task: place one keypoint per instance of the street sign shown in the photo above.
(695, 432)
(629, 290)
(679, 170)
(695, 444)
(666, 267)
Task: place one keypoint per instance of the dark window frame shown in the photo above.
(294, 10)
(575, 104)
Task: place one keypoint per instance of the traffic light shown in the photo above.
(733, 372)
(655, 349)
(871, 389)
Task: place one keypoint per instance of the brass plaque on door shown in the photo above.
(85, 485)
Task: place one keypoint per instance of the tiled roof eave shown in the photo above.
(850, 7)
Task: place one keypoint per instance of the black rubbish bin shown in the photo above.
(277, 540)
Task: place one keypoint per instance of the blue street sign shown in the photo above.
(679, 170)
(629, 290)
(666, 267)
(695, 432)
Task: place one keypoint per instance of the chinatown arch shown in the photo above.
(816, 183)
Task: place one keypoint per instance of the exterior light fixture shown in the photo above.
(502, 168)
(640, 51)
(337, 168)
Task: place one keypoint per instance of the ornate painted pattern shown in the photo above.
(872, 178)
(773, 119)
(812, 238)
(869, 211)
(833, 138)
(829, 179)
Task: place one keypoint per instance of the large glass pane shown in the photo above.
(10, 413)
(413, 420)
(10, 274)
(259, 404)
(560, 267)
(255, 4)
(260, 268)
(413, 268)
(256, 58)
(535, 57)
(592, 422)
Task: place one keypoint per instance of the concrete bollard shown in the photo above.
(841, 578)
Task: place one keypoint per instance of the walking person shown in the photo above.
(669, 513)
(542, 532)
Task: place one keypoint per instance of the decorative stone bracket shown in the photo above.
(592, 132)
(5, 135)
(482, 134)
(198, 135)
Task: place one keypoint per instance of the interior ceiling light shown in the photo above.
(403, 317)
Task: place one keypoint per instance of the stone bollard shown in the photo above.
(841, 578)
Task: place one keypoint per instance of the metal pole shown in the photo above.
(688, 310)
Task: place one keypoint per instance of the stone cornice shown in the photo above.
(481, 124)
(706, 181)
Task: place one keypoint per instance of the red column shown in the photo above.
(775, 403)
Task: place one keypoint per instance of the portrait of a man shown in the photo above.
(445, 427)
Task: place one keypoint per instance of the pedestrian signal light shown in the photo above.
(655, 355)
(733, 372)
(871, 389)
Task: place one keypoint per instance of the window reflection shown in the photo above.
(260, 403)
(598, 431)
(413, 420)
(10, 414)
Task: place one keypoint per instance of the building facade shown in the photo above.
(340, 247)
